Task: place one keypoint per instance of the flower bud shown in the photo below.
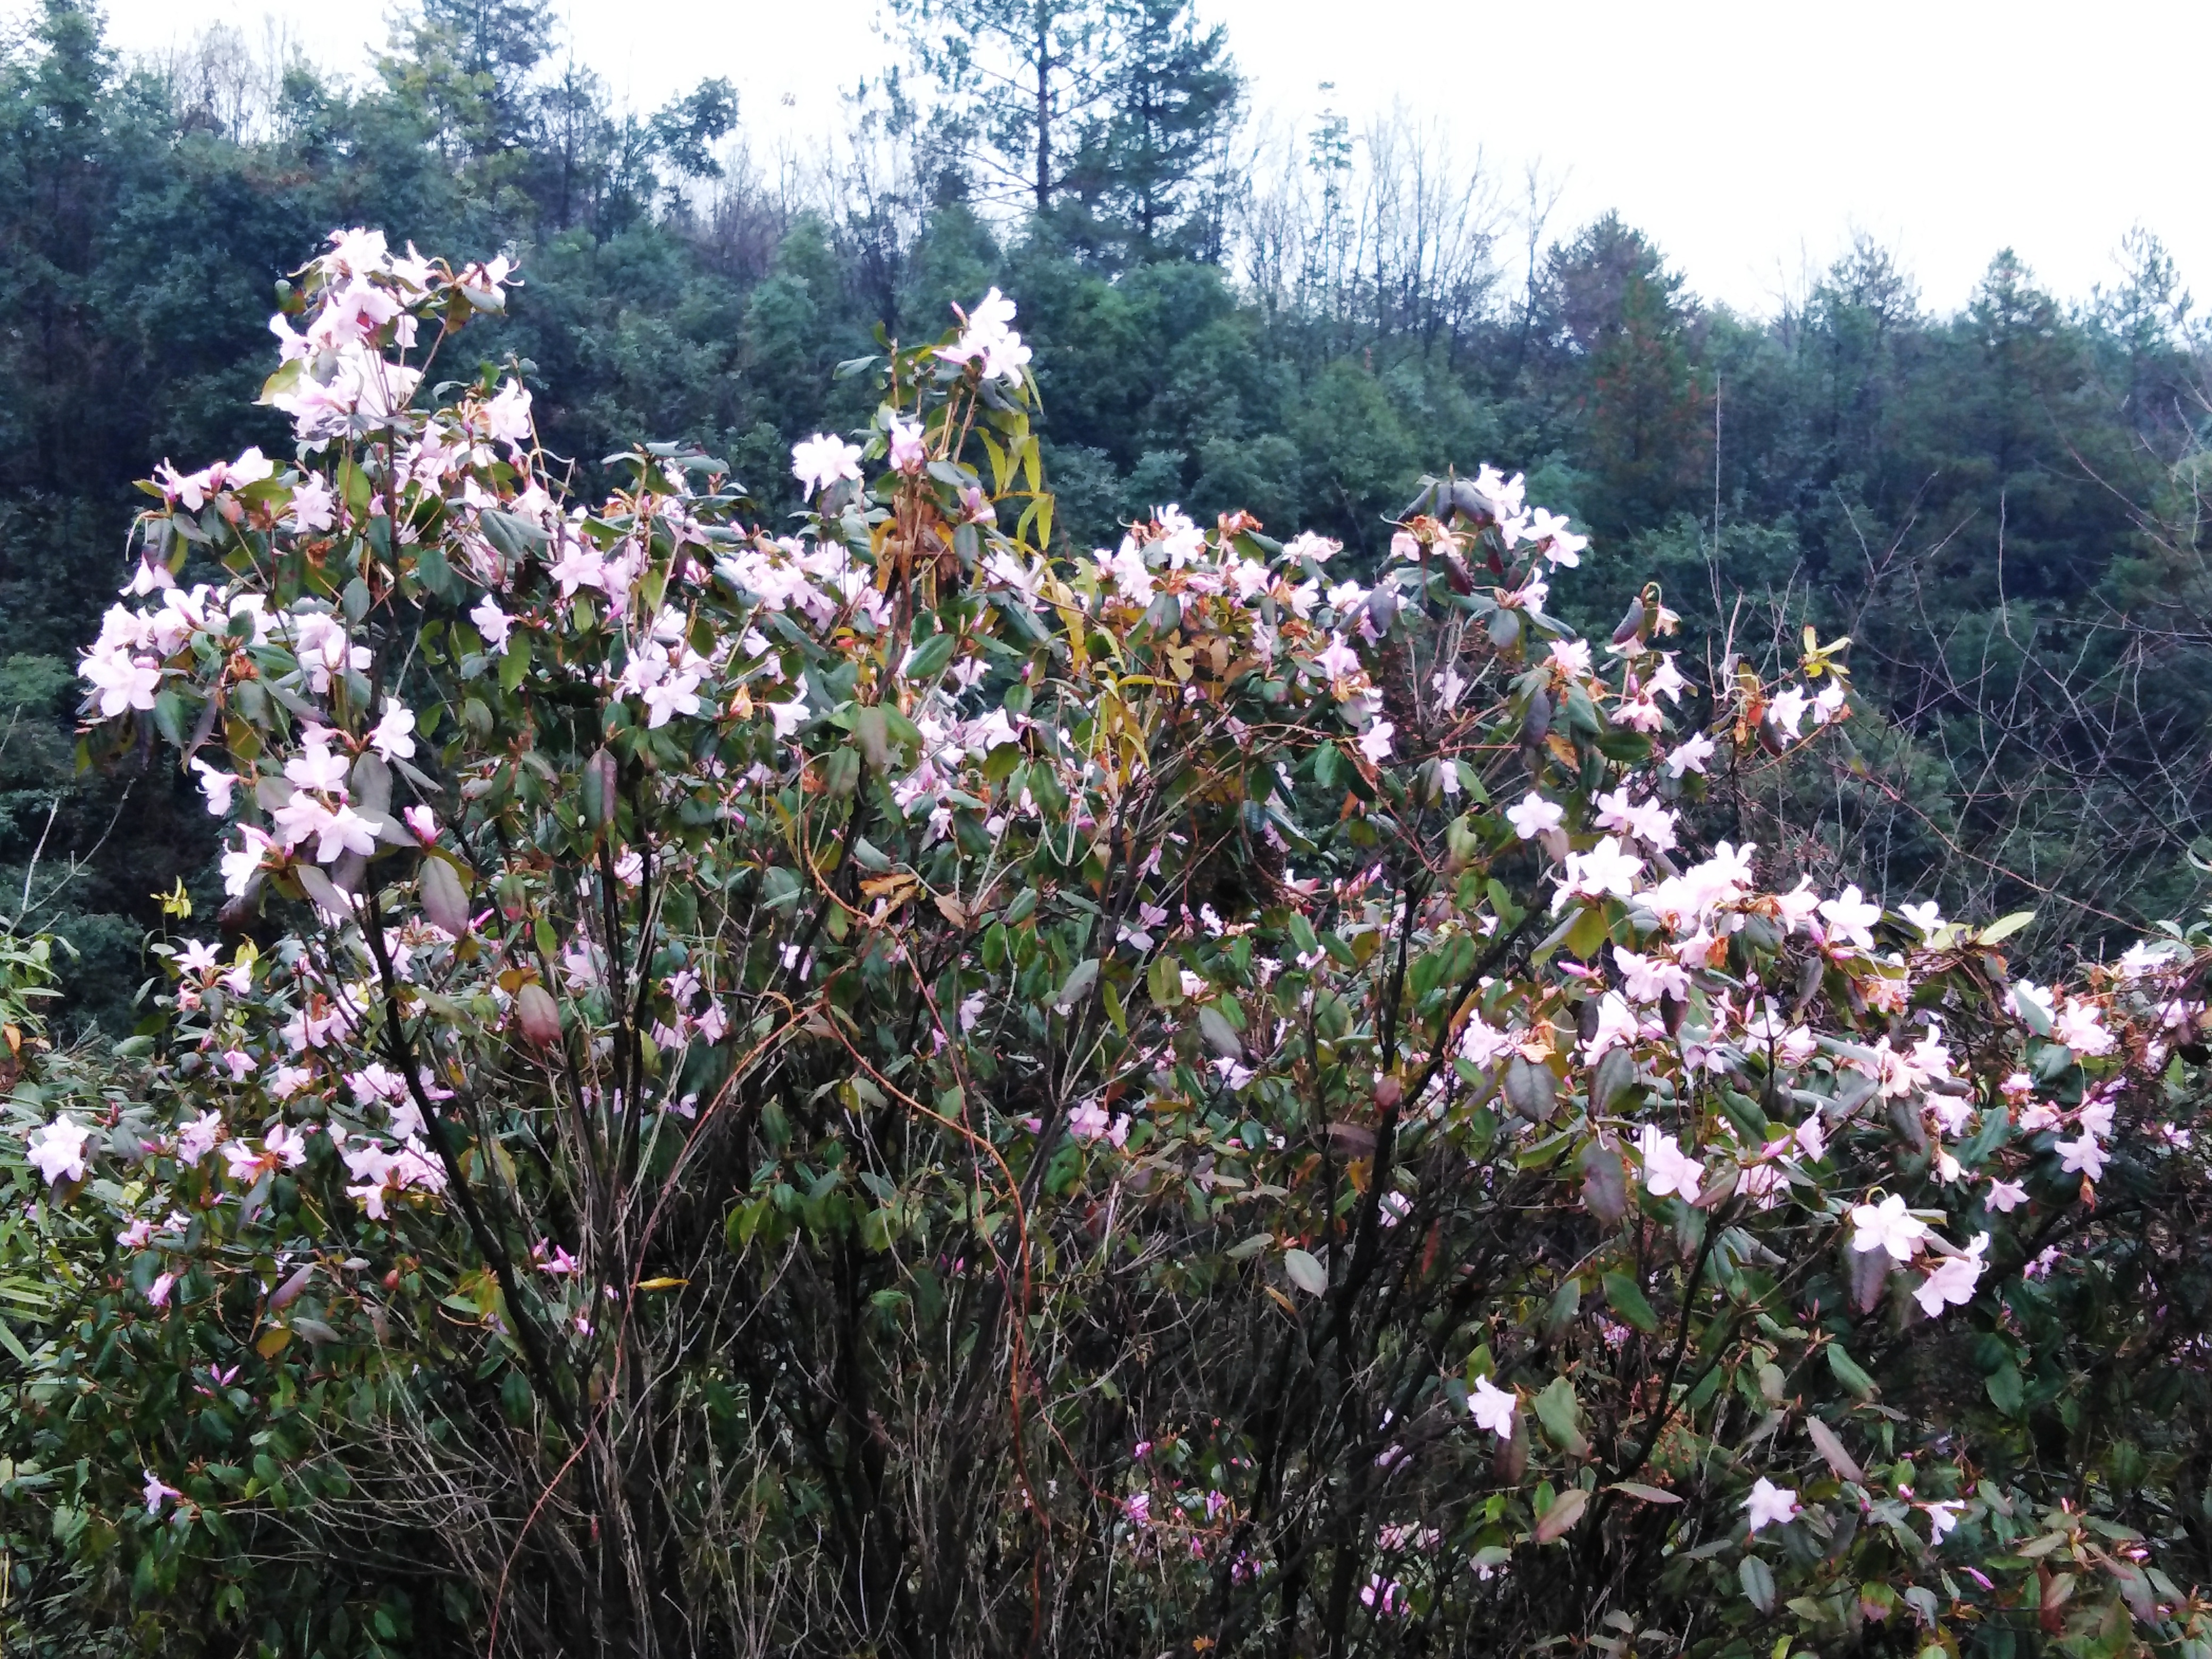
(1536, 721)
(538, 1015)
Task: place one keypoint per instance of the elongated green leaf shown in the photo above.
(1830, 1447)
(1757, 1581)
(1627, 1301)
(1306, 1271)
(1560, 1412)
(1849, 1372)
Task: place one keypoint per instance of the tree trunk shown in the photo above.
(1043, 63)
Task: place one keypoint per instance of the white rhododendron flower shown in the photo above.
(1769, 1505)
(1492, 1407)
(822, 460)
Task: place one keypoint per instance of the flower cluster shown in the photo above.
(1208, 922)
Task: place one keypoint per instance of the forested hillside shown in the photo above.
(1998, 505)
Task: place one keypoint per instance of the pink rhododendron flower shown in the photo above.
(1667, 1169)
(56, 1150)
(1951, 1282)
(1535, 815)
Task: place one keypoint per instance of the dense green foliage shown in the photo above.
(887, 1090)
(1988, 502)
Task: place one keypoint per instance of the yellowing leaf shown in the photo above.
(2004, 927)
(893, 890)
(663, 1283)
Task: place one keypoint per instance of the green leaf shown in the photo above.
(1614, 1075)
(1220, 1035)
(927, 661)
(1627, 1301)
(320, 888)
(873, 738)
(1849, 1372)
(1077, 984)
(595, 791)
(1757, 1581)
(841, 772)
(169, 717)
(1995, 1130)
(1021, 620)
(371, 783)
(1560, 1414)
(445, 901)
(1306, 1271)
(2004, 927)
(1605, 1180)
(1566, 1302)
(1164, 981)
(1566, 1509)
(1586, 938)
(2004, 1389)
(1830, 1447)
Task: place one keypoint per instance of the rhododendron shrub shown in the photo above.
(871, 1082)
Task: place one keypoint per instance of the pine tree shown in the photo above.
(1018, 81)
(1114, 109)
(1173, 97)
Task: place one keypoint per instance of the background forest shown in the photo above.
(2000, 507)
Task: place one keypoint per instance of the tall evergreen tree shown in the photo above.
(1019, 84)
(1172, 99)
(1113, 107)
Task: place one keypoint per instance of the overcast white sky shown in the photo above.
(1749, 138)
